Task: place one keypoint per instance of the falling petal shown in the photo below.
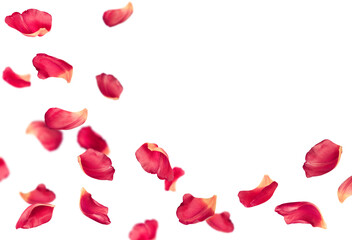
(57, 118)
(345, 190)
(18, 81)
(93, 209)
(49, 138)
(35, 215)
(109, 86)
(39, 195)
(221, 222)
(171, 186)
(144, 231)
(116, 16)
(4, 171)
(87, 138)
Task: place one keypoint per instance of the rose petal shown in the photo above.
(18, 81)
(39, 195)
(116, 16)
(155, 160)
(144, 231)
(345, 190)
(194, 210)
(57, 118)
(49, 138)
(260, 194)
(87, 138)
(171, 186)
(31, 22)
(93, 209)
(96, 165)
(48, 66)
(301, 212)
(35, 215)
(221, 222)
(4, 171)
(109, 86)
(322, 158)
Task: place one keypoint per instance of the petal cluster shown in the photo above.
(35, 215)
(144, 231)
(56, 118)
(116, 16)
(93, 209)
(39, 195)
(18, 81)
(49, 138)
(109, 86)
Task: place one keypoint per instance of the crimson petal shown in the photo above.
(39, 195)
(221, 222)
(35, 215)
(18, 81)
(49, 138)
(171, 186)
(4, 171)
(144, 231)
(87, 138)
(109, 86)
(57, 118)
(93, 209)
(116, 16)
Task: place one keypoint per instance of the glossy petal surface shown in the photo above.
(35, 215)
(57, 118)
(93, 209)
(87, 138)
(221, 222)
(4, 171)
(116, 16)
(171, 186)
(144, 231)
(345, 190)
(18, 81)
(49, 138)
(109, 86)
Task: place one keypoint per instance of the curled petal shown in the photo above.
(155, 160)
(93, 209)
(301, 212)
(87, 138)
(31, 22)
(96, 165)
(171, 186)
(345, 190)
(144, 231)
(109, 86)
(4, 171)
(116, 16)
(322, 158)
(18, 81)
(57, 118)
(260, 194)
(48, 66)
(194, 210)
(35, 215)
(39, 195)
(49, 138)
(221, 222)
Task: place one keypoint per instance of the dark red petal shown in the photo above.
(18, 81)
(49, 138)
(260, 194)
(301, 212)
(57, 118)
(144, 231)
(35, 215)
(155, 160)
(109, 86)
(221, 222)
(194, 210)
(48, 66)
(4, 171)
(39, 195)
(345, 190)
(116, 16)
(31, 22)
(171, 186)
(322, 158)
(93, 209)
(96, 165)
(87, 138)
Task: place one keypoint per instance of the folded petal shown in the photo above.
(221, 222)
(345, 190)
(116, 16)
(39, 195)
(93, 209)
(301, 212)
(194, 210)
(56, 118)
(171, 186)
(18, 81)
(109, 86)
(35, 215)
(144, 231)
(155, 160)
(87, 138)
(260, 194)
(4, 171)
(31, 22)
(96, 165)
(49, 138)
(48, 66)
(322, 158)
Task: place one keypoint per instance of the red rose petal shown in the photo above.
(39, 195)
(96, 165)
(155, 160)
(49, 138)
(144, 231)
(35, 215)
(109, 86)
(87, 138)
(116, 16)
(322, 158)
(18, 81)
(301, 212)
(48, 66)
(194, 210)
(221, 222)
(57, 118)
(171, 186)
(31, 22)
(93, 209)
(260, 194)
(4, 171)
(345, 190)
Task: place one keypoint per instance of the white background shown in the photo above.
(232, 90)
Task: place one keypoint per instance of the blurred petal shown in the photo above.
(39, 195)
(57, 118)
(345, 190)
(87, 138)
(171, 186)
(93, 209)
(49, 138)
(116, 16)
(18, 81)
(4, 171)
(221, 222)
(144, 231)
(35, 215)
(109, 86)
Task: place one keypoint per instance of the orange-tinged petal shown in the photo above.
(194, 210)
(260, 194)
(144, 231)
(35, 215)
(87, 138)
(57, 118)
(301, 212)
(116, 16)
(221, 222)
(18, 81)
(322, 158)
(4, 170)
(49, 138)
(171, 186)
(109, 86)
(39, 195)
(93, 209)
(345, 190)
